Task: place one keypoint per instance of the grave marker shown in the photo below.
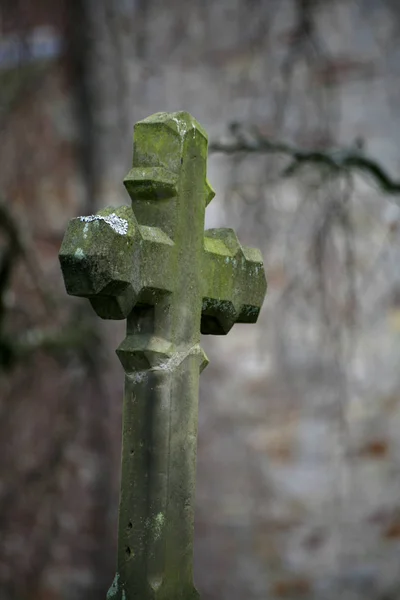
(154, 265)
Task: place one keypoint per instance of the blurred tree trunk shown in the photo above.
(74, 477)
(79, 43)
(86, 24)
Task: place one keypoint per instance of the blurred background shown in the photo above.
(298, 485)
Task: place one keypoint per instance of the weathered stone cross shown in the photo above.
(154, 265)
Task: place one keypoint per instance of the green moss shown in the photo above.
(155, 235)
(154, 264)
(209, 193)
(150, 183)
(216, 246)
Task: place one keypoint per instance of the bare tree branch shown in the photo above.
(14, 347)
(20, 246)
(343, 159)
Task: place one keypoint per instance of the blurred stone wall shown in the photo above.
(298, 492)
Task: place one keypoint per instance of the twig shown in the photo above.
(15, 348)
(336, 159)
(52, 339)
(21, 246)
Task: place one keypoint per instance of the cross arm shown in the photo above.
(234, 282)
(115, 262)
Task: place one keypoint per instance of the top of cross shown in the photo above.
(122, 257)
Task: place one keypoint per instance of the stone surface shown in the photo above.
(154, 265)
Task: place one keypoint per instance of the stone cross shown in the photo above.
(154, 265)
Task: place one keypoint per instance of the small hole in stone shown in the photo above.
(128, 551)
(131, 452)
(130, 525)
(181, 161)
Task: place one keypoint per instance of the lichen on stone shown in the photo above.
(138, 376)
(158, 525)
(172, 362)
(118, 224)
(180, 125)
(113, 591)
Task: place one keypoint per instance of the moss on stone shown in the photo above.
(154, 264)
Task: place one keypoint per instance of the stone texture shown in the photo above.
(171, 281)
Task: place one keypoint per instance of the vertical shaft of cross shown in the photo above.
(158, 478)
(160, 409)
